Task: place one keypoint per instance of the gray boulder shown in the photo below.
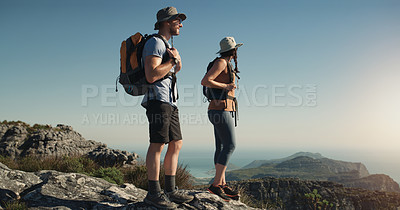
(14, 182)
(380, 182)
(11, 138)
(56, 190)
(21, 140)
(108, 157)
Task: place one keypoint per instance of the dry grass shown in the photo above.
(136, 175)
(67, 164)
(14, 205)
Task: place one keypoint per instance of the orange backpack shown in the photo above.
(132, 75)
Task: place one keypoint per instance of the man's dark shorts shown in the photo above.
(163, 122)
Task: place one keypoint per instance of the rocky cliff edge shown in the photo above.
(57, 190)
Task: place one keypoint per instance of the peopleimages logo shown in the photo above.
(191, 96)
(139, 119)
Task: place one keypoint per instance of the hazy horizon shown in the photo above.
(375, 162)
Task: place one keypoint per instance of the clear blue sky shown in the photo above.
(52, 52)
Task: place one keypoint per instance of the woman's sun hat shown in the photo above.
(228, 43)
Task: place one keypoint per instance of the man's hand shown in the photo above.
(173, 53)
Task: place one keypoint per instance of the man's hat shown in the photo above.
(166, 14)
(228, 43)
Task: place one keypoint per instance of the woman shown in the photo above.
(220, 91)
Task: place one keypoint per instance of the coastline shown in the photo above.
(200, 162)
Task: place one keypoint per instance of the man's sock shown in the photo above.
(154, 187)
(169, 183)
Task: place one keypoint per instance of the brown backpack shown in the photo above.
(132, 75)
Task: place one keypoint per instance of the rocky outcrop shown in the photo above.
(289, 193)
(380, 182)
(11, 138)
(56, 190)
(337, 166)
(20, 140)
(325, 164)
(322, 169)
(303, 162)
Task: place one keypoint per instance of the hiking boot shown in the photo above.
(179, 196)
(233, 194)
(160, 201)
(217, 190)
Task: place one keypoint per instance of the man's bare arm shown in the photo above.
(154, 70)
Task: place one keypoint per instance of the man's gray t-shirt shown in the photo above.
(160, 90)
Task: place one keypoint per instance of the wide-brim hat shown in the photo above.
(228, 43)
(166, 14)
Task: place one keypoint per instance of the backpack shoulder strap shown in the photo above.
(230, 72)
(229, 66)
(162, 38)
(211, 64)
(169, 73)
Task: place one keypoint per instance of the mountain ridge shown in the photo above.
(314, 166)
(257, 163)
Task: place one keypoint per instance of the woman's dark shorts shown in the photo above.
(163, 122)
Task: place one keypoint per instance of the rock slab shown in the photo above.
(57, 190)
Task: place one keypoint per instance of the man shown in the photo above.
(161, 64)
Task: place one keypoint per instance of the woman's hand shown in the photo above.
(230, 86)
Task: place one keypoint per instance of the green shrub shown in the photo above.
(29, 128)
(5, 122)
(136, 176)
(67, 164)
(112, 175)
(89, 165)
(74, 164)
(39, 126)
(35, 127)
(9, 162)
(315, 201)
(30, 164)
(263, 203)
(15, 205)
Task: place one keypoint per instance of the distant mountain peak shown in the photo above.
(308, 154)
(314, 166)
(258, 163)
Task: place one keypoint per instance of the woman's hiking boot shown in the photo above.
(217, 190)
(179, 196)
(233, 194)
(160, 201)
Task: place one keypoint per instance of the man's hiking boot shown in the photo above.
(233, 194)
(217, 190)
(160, 201)
(178, 196)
